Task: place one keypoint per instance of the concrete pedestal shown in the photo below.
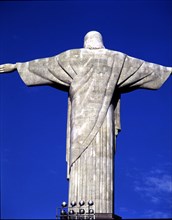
(107, 216)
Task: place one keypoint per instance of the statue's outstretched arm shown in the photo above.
(9, 67)
(44, 71)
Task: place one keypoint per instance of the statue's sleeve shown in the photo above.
(44, 71)
(136, 73)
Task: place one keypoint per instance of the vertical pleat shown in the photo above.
(93, 198)
(97, 173)
(103, 178)
(79, 180)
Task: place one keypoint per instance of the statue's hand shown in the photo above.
(9, 67)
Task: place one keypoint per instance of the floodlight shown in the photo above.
(81, 203)
(90, 203)
(81, 211)
(63, 212)
(73, 203)
(91, 211)
(71, 212)
(64, 204)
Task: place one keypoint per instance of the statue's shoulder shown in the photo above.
(83, 52)
(73, 53)
(115, 53)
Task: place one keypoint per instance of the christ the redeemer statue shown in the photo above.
(95, 78)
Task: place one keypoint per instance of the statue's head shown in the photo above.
(93, 40)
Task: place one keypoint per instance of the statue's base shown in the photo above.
(107, 216)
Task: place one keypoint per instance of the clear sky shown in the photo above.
(33, 120)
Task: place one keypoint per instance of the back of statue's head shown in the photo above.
(93, 40)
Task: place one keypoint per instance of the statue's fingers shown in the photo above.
(2, 68)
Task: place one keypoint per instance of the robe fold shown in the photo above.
(95, 78)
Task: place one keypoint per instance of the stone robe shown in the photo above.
(95, 78)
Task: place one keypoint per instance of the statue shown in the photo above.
(95, 78)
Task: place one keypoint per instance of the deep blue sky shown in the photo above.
(33, 120)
